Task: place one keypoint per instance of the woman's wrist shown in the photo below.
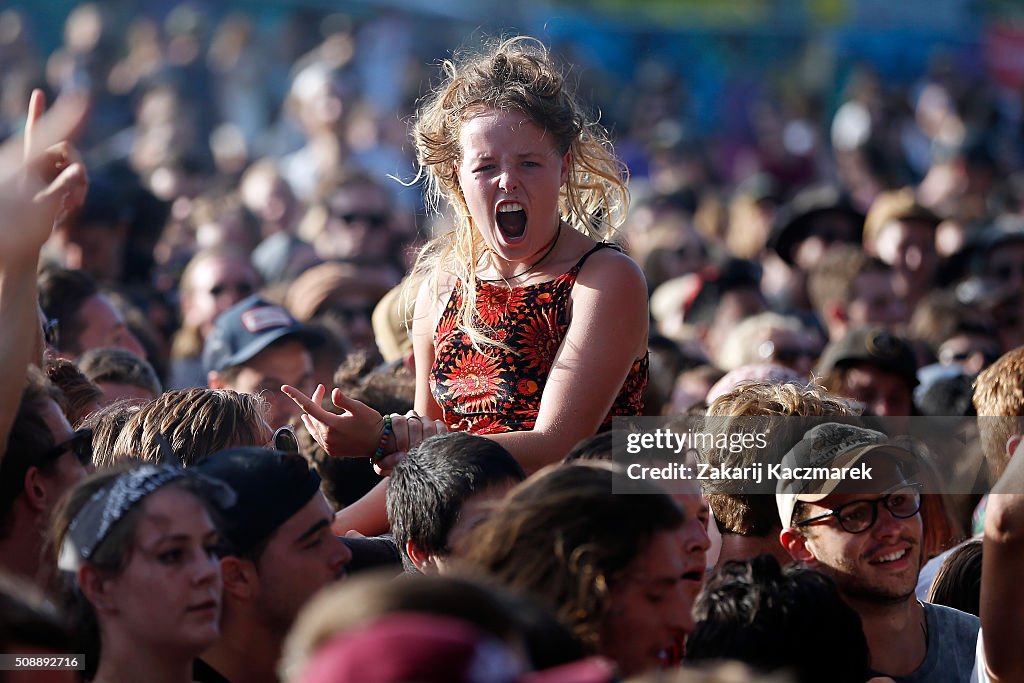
(383, 441)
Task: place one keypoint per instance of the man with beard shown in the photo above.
(866, 535)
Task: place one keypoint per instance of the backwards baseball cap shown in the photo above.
(832, 445)
(249, 327)
(271, 486)
(875, 346)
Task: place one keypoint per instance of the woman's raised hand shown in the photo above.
(356, 432)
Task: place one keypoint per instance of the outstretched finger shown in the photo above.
(309, 404)
(344, 402)
(65, 118)
(36, 106)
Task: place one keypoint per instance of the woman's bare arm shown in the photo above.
(607, 333)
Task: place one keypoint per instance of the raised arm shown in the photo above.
(40, 174)
(1002, 602)
(607, 333)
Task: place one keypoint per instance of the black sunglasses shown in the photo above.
(858, 516)
(80, 444)
(285, 440)
(374, 220)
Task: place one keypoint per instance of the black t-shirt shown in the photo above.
(204, 673)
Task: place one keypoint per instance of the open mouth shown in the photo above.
(511, 220)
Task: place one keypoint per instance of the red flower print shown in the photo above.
(488, 424)
(474, 382)
(493, 303)
(540, 338)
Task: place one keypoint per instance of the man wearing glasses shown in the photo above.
(866, 535)
(44, 459)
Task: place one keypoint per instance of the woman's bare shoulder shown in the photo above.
(612, 268)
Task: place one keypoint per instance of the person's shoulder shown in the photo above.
(947, 618)
(608, 266)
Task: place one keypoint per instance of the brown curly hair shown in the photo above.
(567, 534)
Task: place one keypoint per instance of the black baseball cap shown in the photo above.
(249, 327)
(270, 486)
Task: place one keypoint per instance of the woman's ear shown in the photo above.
(97, 589)
(566, 167)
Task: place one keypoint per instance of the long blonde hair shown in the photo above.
(516, 74)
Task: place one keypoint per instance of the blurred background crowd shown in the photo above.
(798, 170)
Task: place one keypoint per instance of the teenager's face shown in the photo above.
(169, 593)
(510, 174)
(651, 603)
(302, 556)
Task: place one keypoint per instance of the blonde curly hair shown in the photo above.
(515, 74)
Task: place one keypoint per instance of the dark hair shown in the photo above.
(120, 366)
(958, 583)
(62, 292)
(566, 535)
(29, 439)
(429, 486)
(947, 396)
(79, 391)
(596, 447)
(773, 618)
(730, 275)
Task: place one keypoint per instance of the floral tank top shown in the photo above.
(501, 392)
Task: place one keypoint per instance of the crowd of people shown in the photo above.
(281, 410)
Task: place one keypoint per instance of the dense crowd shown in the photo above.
(319, 361)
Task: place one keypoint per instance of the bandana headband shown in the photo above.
(112, 502)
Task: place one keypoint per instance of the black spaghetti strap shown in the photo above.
(597, 247)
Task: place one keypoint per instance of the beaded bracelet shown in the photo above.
(379, 453)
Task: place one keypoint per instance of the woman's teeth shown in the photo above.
(511, 220)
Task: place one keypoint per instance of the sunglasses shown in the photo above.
(374, 220)
(242, 289)
(858, 516)
(80, 445)
(285, 440)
